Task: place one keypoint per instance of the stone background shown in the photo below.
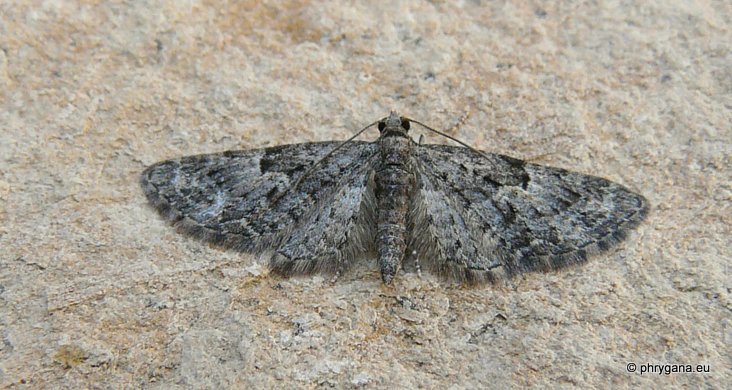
(97, 291)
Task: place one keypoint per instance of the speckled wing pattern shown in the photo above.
(467, 215)
(235, 199)
(482, 217)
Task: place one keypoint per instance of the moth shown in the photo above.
(467, 215)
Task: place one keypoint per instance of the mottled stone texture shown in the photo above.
(96, 290)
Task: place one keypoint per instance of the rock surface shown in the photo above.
(97, 291)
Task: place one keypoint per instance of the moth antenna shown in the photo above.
(447, 136)
(312, 167)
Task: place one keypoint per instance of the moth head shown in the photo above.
(394, 125)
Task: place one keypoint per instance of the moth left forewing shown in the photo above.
(190, 191)
(233, 198)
